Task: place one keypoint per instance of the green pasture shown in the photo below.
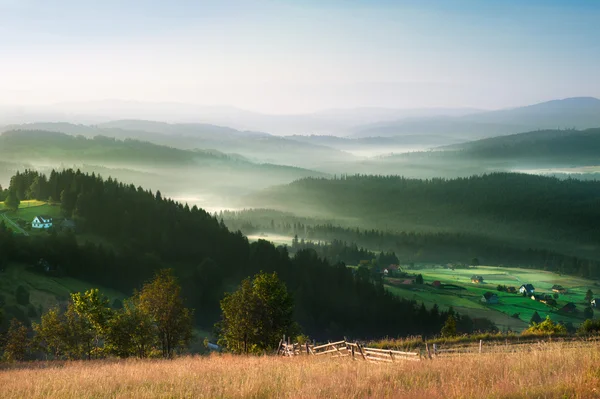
(468, 301)
(44, 291)
(27, 213)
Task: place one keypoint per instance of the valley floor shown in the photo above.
(538, 371)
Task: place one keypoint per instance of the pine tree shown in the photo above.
(12, 202)
(449, 328)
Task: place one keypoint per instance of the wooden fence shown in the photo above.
(357, 351)
(339, 349)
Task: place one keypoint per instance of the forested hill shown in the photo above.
(539, 211)
(47, 145)
(576, 146)
(147, 232)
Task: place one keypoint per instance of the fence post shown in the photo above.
(435, 349)
(391, 356)
(352, 351)
(361, 352)
(427, 349)
(480, 345)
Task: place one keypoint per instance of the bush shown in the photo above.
(22, 296)
(589, 327)
(547, 327)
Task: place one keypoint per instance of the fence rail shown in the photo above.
(357, 351)
(344, 348)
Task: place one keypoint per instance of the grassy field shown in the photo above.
(468, 301)
(44, 291)
(276, 239)
(547, 371)
(30, 209)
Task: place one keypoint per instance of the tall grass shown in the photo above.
(548, 371)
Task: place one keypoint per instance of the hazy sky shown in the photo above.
(297, 56)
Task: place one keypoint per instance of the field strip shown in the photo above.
(14, 225)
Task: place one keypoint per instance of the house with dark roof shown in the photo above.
(595, 302)
(527, 289)
(41, 222)
(569, 308)
(476, 279)
(490, 298)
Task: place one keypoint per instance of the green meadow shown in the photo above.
(468, 299)
(45, 291)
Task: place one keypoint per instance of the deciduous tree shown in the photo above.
(257, 315)
(161, 300)
(16, 343)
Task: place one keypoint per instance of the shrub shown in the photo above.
(589, 327)
(547, 327)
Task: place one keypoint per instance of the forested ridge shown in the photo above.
(507, 205)
(577, 146)
(148, 232)
(352, 245)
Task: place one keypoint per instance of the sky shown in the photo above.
(300, 56)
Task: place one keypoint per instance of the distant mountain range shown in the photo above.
(570, 113)
(334, 121)
(459, 123)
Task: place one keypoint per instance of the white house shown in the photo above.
(526, 289)
(41, 222)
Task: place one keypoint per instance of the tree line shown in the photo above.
(349, 244)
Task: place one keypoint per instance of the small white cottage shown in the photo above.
(41, 222)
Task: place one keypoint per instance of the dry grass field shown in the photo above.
(547, 371)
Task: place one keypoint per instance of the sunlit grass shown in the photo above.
(547, 370)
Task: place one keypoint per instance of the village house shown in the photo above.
(595, 302)
(436, 284)
(477, 279)
(559, 289)
(490, 298)
(41, 222)
(527, 289)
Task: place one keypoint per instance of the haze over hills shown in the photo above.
(257, 146)
(208, 176)
(334, 121)
(577, 113)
